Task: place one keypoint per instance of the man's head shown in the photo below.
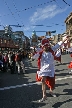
(18, 52)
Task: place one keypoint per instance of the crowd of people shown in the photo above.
(13, 60)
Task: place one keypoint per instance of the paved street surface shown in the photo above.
(22, 91)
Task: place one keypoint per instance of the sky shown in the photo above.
(27, 13)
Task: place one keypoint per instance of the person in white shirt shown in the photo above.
(46, 73)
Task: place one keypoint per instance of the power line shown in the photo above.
(36, 6)
(10, 11)
(59, 6)
(66, 2)
(17, 12)
(26, 8)
(22, 10)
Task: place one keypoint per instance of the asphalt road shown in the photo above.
(22, 91)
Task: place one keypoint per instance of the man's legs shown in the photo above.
(23, 67)
(14, 66)
(18, 65)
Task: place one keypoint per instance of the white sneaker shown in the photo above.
(52, 94)
(41, 100)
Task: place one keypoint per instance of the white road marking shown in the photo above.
(30, 84)
(58, 79)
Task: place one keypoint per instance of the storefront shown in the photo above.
(7, 44)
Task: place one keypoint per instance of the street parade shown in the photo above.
(35, 54)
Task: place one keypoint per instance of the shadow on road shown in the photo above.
(65, 92)
(28, 63)
(68, 91)
(8, 79)
(57, 85)
(61, 74)
(33, 70)
(58, 104)
(61, 64)
(25, 97)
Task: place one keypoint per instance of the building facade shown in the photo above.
(68, 22)
(6, 41)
